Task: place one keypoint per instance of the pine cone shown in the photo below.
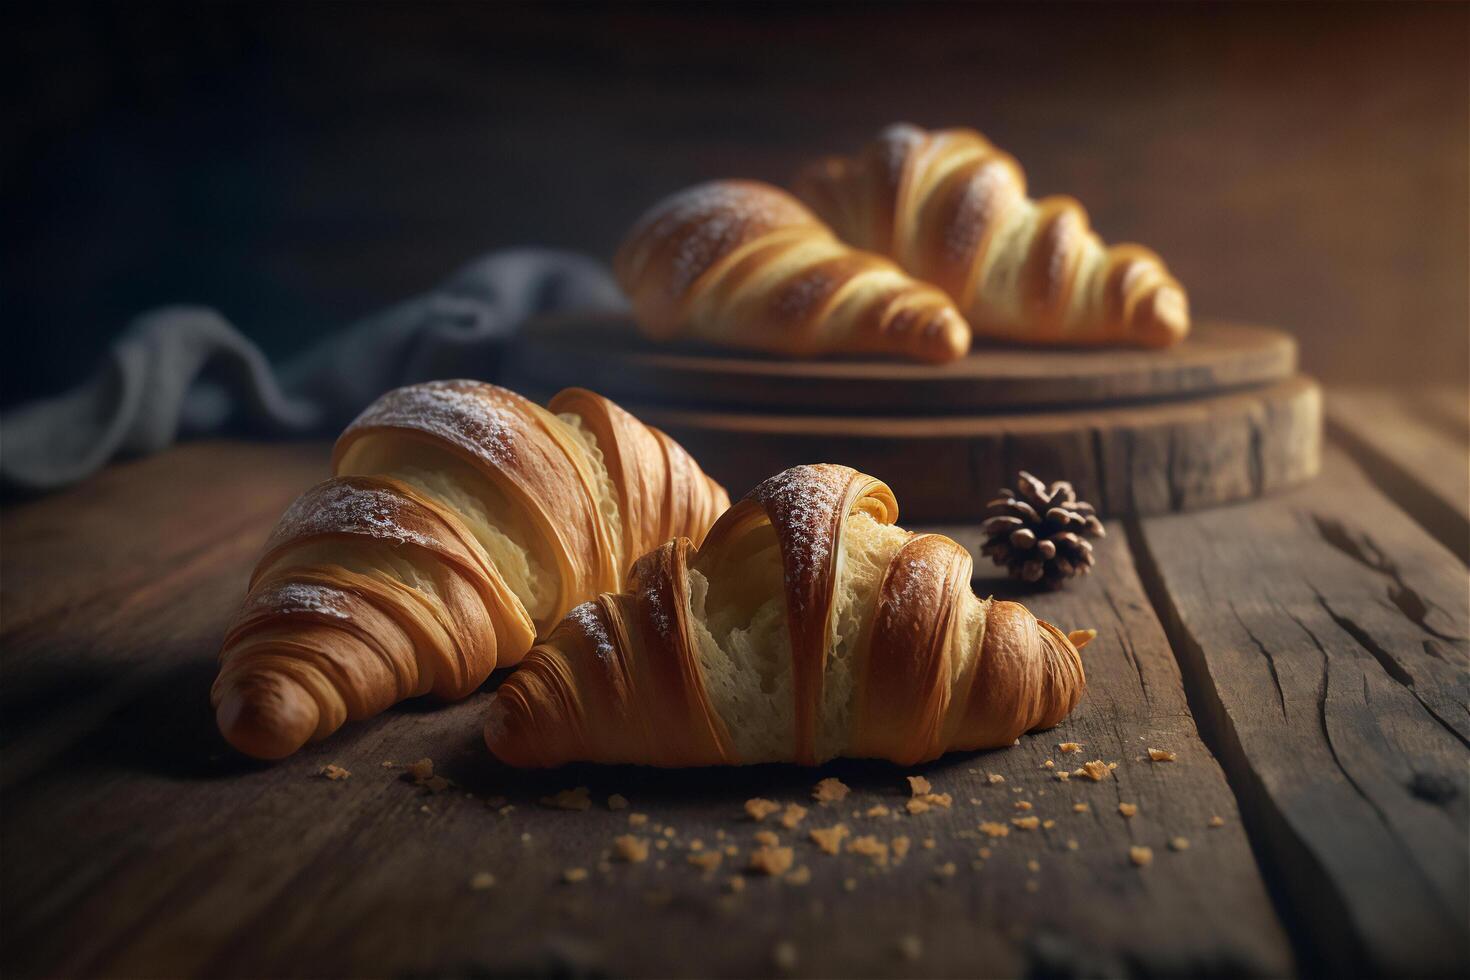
(1040, 534)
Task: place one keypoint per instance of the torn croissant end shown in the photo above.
(1080, 638)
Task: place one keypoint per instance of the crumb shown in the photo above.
(792, 816)
(943, 800)
(1033, 886)
(1161, 755)
(910, 947)
(569, 799)
(334, 772)
(900, 847)
(1179, 843)
(767, 838)
(974, 801)
(984, 852)
(719, 834)
(877, 810)
(801, 876)
(1128, 809)
(829, 839)
(525, 838)
(633, 850)
(990, 829)
(1022, 805)
(424, 808)
(919, 786)
(637, 819)
(573, 875)
(1069, 747)
(421, 770)
(387, 763)
(1048, 824)
(870, 847)
(435, 784)
(1033, 865)
(661, 844)
(771, 860)
(507, 810)
(995, 778)
(617, 802)
(784, 956)
(1080, 808)
(670, 832)
(928, 843)
(696, 844)
(1048, 764)
(1096, 770)
(849, 884)
(945, 870)
(731, 850)
(830, 790)
(1062, 775)
(916, 807)
(1072, 844)
(482, 880)
(1141, 856)
(735, 883)
(1217, 821)
(1026, 823)
(758, 809)
(706, 860)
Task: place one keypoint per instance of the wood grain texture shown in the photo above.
(148, 849)
(1146, 459)
(1415, 444)
(609, 356)
(1323, 639)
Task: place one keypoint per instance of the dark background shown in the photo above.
(298, 166)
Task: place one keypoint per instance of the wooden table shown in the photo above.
(1304, 656)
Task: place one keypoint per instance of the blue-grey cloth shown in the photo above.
(185, 371)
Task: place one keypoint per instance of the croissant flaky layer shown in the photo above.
(952, 210)
(806, 627)
(744, 264)
(462, 521)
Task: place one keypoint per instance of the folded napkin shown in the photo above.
(185, 371)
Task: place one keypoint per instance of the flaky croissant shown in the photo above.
(952, 210)
(744, 264)
(807, 627)
(463, 520)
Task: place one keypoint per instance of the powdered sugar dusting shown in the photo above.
(802, 504)
(588, 619)
(300, 597)
(460, 412)
(345, 506)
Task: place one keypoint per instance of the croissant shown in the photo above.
(807, 627)
(463, 520)
(952, 210)
(744, 264)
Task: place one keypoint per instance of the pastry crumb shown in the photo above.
(995, 778)
(1128, 809)
(758, 808)
(334, 772)
(801, 876)
(1217, 821)
(870, 847)
(1141, 856)
(1033, 866)
(1069, 747)
(767, 838)
(928, 843)
(735, 883)
(633, 850)
(617, 801)
(910, 947)
(573, 875)
(784, 956)
(991, 829)
(1161, 755)
(849, 884)
(1026, 823)
(387, 763)
(1096, 770)
(915, 807)
(1072, 844)
(829, 839)
(919, 786)
(1048, 824)
(830, 790)
(707, 861)
(1022, 805)
(792, 816)
(482, 880)
(421, 770)
(1061, 775)
(771, 860)
(876, 810)
(1048, 764)
(1179, 843)
(899, 846)
(579, 798)
(945, 870)
(1033, 886)
(637, 819)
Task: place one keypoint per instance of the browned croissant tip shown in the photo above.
(1163, 318)
(266, 716)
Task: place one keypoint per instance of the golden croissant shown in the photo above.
(743, 264)
(463, 520)
(952, 210)
(806, 627)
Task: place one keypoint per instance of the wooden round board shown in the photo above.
(1221, 418)
(609, 356)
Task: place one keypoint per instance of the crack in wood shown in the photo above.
(1265, 652)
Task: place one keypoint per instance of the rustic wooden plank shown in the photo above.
(1416, 446)
(165, 854)
(1323, 639)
